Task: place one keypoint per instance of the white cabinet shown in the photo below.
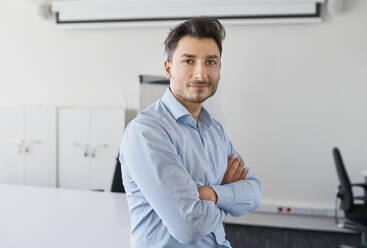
(89, 141)
(28, 146)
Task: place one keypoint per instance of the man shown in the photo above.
(180, 172)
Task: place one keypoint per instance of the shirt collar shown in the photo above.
(204, 117)
(178, 110)
(173, 105)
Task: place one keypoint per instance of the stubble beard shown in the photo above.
(198, 98)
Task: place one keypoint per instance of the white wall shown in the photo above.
(41, 63)
(288, 93)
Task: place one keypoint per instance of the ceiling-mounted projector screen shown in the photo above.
(147, 12)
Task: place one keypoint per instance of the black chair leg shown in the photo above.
(364, 240)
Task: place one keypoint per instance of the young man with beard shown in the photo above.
(181, 174)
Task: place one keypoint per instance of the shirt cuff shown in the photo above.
(225, 195)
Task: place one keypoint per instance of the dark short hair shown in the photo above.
(199, 27)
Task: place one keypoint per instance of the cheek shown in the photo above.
(182, 74)
(215, 76)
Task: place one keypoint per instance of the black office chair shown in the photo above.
(117, 185)
(355, 213)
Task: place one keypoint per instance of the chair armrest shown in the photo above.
(363, 185)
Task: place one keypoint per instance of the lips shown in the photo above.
(199, 86)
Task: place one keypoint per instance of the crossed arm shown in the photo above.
(234, 172)
(239, 191)
(188, 213)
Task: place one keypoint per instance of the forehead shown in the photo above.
(200, 47)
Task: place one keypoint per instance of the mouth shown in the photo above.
(199, 86)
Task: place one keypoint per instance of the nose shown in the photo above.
(200, 72)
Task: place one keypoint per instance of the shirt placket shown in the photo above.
(211, 171)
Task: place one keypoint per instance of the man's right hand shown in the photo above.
(235, 170)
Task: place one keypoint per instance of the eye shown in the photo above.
(212, 62)
(188, 61)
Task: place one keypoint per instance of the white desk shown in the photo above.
(36, 217)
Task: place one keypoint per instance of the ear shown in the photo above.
(167, 68)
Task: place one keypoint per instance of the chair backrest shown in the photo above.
(117, 185)
(345, 187)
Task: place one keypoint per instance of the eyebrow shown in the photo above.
(212, 57)
(186, 55)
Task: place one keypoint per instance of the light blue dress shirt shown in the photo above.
(164, 159)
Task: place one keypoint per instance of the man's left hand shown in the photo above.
(207, 193)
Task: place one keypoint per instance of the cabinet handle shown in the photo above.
(77, 144)
(99, 145)
(35, 141)
(94, 146)
(85, 146)
(81, 145)
(28, 145)
(17, 141)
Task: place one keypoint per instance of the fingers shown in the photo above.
(243, 174)
(239, 170)
(231, 159)
(233, 169)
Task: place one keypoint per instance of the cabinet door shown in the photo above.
(40, 156)
(73, 137)
(11, 150)
(107, 127)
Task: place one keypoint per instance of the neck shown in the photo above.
(193, 108)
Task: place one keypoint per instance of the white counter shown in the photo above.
(36, 217)
(314, 223)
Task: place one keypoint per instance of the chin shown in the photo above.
(198, 99)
